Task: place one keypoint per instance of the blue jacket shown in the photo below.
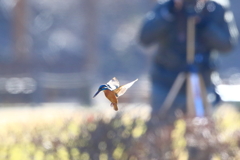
(215, 31)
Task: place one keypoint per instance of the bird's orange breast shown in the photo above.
(111, 96)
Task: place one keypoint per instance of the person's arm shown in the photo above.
(156, 24)
(218, 31)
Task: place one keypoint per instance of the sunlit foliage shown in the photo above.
(54, 135)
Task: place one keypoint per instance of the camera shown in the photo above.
(190, 2)
(191, 7)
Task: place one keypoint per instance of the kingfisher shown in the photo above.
(113, 90)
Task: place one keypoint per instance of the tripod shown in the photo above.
(197, 104)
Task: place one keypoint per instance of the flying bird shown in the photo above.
(113, 90)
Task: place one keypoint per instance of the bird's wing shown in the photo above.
(113, 83)
(122, 89)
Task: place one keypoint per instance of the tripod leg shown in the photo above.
(197, 103)
(173, 92)
(204, 97)
(190, 97)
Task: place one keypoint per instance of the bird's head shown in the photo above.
(101, 88)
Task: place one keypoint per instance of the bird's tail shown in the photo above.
(114, 105)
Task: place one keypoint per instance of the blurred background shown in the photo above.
(54, 51)
(55, 54)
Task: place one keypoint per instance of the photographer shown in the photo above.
(166, 26)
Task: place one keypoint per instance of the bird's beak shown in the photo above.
(96, 93)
